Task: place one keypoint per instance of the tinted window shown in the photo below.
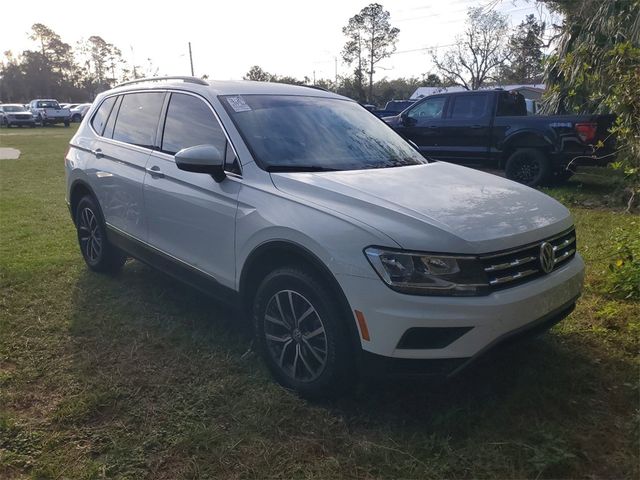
(138, 118)
(100, 117)
(287, 132)
(108, 130)
(511, 104)
(190, 122)
(469, 106)
(431, 108)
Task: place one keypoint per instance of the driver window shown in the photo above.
(190, 122)
(429, 109)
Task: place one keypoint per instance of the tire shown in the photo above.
(67, 123)
(98, 253)
(311, 357)
(76, 118)
(528, 166)
(40, 120)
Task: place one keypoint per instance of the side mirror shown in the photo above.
(202, 159)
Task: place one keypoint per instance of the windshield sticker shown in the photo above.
(238, 104)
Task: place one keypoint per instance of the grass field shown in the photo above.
(138, 376)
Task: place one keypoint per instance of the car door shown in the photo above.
(190, 216)
(466, 130)
(126, 136)
(422, 124)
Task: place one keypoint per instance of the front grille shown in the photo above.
(519, 265)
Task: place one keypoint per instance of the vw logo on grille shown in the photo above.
(547, 257)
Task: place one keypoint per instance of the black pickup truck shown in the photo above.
(393, 107)
(490, 128)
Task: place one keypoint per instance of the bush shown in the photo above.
(624, 270)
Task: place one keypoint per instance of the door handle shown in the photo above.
(97, 153)
(155, 172)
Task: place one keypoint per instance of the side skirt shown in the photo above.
(173, 267)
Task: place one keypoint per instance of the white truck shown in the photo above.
(48, 111)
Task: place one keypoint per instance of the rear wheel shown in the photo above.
(301, 333)
(76, 118)
(97, 252)
(528, 166)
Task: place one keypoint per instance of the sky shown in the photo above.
(286, 37)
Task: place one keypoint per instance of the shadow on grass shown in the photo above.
(171, 365)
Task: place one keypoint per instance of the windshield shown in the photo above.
(311, 133)
(48, 104)
(12, 108)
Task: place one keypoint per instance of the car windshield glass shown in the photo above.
(12, 108)
(310, 133)
(48, 105)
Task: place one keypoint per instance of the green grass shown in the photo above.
(137, 376)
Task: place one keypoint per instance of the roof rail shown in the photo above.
(185, 79)
(315, 87)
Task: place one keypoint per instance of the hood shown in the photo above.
(437, 207)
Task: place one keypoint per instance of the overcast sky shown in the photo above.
(287, 37)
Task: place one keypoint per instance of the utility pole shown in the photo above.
(314, 77)
(335, 60)
(191, 60)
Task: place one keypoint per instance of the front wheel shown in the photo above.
(302, 334)
(97, 252)
(528, 166)
(66, 123)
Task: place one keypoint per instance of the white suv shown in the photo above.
(349, 250)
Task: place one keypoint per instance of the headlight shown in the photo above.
(426, 274)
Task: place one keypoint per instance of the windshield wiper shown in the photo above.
(300, 168)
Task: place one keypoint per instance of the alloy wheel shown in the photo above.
(90, 235)
(295, 336)
(526, 171)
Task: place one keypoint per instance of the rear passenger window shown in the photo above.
(469, 106)
(190, 122)
(108, 130)
(138, 118)
(100, 117)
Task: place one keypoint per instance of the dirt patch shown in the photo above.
(7, 153)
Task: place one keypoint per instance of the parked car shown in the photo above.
(15, 114)
(78, 112)
(394, 107)
(49, 112)
(349, 250)
(492, 129)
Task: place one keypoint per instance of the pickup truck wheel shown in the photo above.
(98, 253)
(76, 118)
(66, 123)
(301, 334)
(528, 166)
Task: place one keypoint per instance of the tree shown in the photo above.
(370, 39)
(526, 63)
(478, 54)
(595, 68)
(257, 74)
(100, 61)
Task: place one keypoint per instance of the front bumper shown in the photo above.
(479, 322)
(21, 121)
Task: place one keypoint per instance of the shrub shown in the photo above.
(624, 269)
